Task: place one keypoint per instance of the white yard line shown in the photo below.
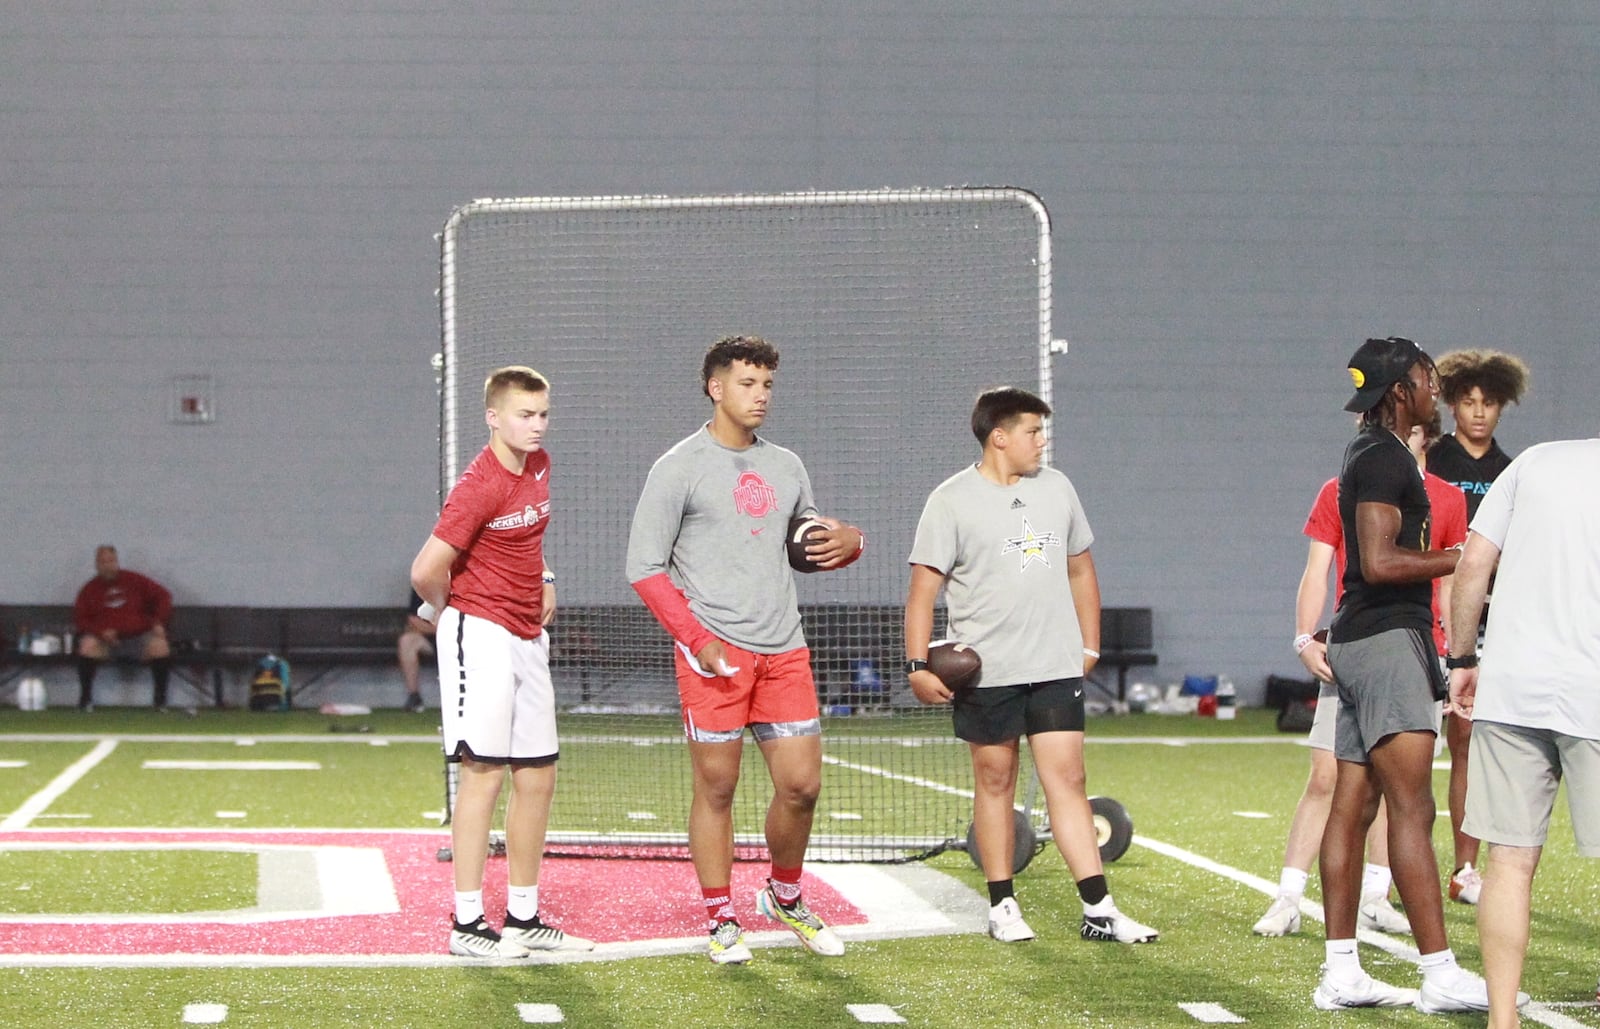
(36, 804)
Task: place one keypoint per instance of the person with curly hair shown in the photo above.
(1476, 385)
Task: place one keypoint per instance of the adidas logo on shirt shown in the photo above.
(1017, 503)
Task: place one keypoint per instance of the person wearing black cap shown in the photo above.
(1381, 653)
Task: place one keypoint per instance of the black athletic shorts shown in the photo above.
(1000, 714)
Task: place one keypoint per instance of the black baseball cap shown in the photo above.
(1376, 365)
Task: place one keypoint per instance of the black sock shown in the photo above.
(87, 666)
(1000, 890)
(160, 671)
(1093, 889)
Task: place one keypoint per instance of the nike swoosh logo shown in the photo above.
(539, 475)
(756, 532)
(1076, 694)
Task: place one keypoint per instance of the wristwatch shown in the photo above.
(915, 664)
(1466, 661)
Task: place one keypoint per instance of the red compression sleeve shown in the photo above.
(671, 609)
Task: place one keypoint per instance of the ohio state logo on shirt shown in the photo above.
(753, 496)
(518, 519)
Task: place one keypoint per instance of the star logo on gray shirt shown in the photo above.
(1031, 544)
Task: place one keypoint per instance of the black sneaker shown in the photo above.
(413, 702)
(533, 934)
(479, 940)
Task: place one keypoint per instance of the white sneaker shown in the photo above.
(1334, 994)
(1115, 927)
(1006, 924)
(1466, 884)
(801, 921)
(1377, 913)
(1453, 989)
(535, 934)
(1281, 919)
(727, 945)
(1456, 989)
(479, 940)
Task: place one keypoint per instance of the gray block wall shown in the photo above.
(1240, 194)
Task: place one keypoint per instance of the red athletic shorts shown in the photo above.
(767, 688)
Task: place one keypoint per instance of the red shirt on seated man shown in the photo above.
(119, 607)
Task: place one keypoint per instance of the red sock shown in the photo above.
(786, 884)
(719, 904)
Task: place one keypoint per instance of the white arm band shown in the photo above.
(427, 613)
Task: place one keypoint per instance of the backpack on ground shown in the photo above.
(269, 687)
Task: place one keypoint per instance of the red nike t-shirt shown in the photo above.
(1448, 519)
(497, 519)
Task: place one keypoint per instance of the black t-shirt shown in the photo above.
(1449, 460)
(1378, 469)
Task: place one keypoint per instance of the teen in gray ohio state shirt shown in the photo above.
(714, 519)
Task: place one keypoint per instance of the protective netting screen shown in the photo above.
(891, 311)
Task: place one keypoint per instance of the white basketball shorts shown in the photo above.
(495, 692)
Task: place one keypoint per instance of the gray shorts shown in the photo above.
(1512, 776)
(1387, 684)
(1327, 714)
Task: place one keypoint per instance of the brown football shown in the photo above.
(801, 531)
(956, 664)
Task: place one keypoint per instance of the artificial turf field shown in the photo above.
(169, 920)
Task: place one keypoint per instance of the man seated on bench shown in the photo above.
(416, 639)
(121, 612)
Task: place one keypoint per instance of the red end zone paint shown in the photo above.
(609, 901)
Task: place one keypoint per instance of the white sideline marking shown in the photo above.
(205, 1014)
(293, 882)
(1541, 1013)
(882, 1013)
(13, 764)
(234, 766)
(49, 815)
(244, 743)
(893, 909)
(915, 780)
(642, 816)
(35, 805)
(1252, 814)
(1211, 1013)
(845, 816)
(230, 814)
(378, 743)
(540, 1014)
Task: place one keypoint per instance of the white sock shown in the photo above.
(1102, 909)
(1292, 882)
(1375, 879)
(469, 906)
(1342, 958)
(1437, 962)
(522, 902)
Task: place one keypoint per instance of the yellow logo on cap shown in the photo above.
(1357, 378)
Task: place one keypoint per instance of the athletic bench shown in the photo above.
(199, 659)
